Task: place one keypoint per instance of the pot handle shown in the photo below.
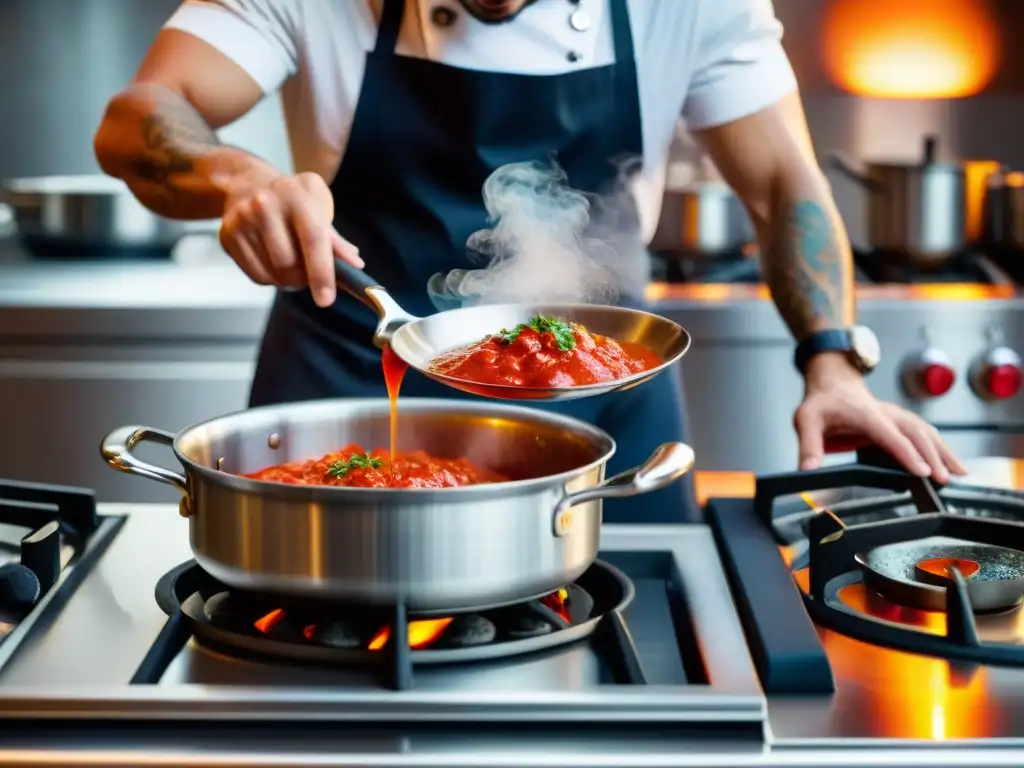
(117, 447)
(666, 465)
(839, 162)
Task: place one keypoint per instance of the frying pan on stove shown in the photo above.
(419, 341)
(893, 571)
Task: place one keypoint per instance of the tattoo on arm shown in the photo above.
(173, 135)
(809, 271)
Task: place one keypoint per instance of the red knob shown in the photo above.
(937, 379)
(1003, 381)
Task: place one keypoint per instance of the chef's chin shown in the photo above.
(494, 11)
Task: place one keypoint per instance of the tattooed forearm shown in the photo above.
(808, 269)
(161, 147)
(173, 135)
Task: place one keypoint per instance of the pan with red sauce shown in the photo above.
(354, 467)
(545, 352)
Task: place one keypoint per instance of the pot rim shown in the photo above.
(339, 494)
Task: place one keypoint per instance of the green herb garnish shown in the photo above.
(560, 329)
(339, 469)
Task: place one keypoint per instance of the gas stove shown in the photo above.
(834, 602)
(135, 655)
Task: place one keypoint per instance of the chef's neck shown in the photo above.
(495, 11)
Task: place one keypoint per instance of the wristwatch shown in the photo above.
(858, 343)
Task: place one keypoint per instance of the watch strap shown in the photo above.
(833, 340)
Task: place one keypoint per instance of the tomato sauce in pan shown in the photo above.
(354, 467)
(546, 352)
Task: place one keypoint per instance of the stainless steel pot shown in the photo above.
(916, 210)
(89, 216)
(1004, 211)
(703, 218)
(435, 550)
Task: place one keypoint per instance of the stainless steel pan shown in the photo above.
(435, 550)
(418, 341)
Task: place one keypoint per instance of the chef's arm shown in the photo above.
(158, 136)
(769, 160)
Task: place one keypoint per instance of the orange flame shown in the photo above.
(911, 49)
(268, 622)
(556, 601)
(421, 633)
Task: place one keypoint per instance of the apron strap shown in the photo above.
(622, 33)
(390, 25)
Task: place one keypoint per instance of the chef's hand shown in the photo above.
(280, 232)
(839, 413)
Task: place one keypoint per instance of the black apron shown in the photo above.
(424, 139)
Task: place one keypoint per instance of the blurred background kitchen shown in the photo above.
(916, 108)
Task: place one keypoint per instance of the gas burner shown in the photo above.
(679, 267)
(858, 568)
(917, 574)
(892, 267)
(388, 638)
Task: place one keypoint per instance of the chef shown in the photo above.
(399, 110)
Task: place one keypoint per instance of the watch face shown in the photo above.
(865, 346)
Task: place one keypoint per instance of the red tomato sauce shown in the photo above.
(536, 359)
(415, 469)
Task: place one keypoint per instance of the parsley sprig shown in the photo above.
(560, 329)
(341, 468)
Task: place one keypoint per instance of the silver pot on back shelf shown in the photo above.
(922, 211)
(703, 219)
(88, 216)
(1004, 211)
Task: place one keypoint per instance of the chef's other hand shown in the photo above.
(281, 233)
(839, 413)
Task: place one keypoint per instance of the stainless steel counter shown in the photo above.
(200, 294)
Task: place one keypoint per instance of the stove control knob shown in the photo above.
(928, 374)
(997, 374)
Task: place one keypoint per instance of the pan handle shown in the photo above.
(667, 464)
(362, 286)
(117, 447)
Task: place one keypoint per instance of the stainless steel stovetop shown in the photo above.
(66, 700)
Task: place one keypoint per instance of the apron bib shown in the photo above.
(424, 139)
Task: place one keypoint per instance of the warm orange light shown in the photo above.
(911, 49)
(960, 291)
(421, 633)
(907, 695)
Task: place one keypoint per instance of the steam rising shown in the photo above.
(548, 243)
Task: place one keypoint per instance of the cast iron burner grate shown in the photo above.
(785, 644)
(388, 639)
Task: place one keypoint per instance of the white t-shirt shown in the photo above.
(713, 61)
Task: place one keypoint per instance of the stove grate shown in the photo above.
(308, 632)
(64, 538)
(775, 612)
